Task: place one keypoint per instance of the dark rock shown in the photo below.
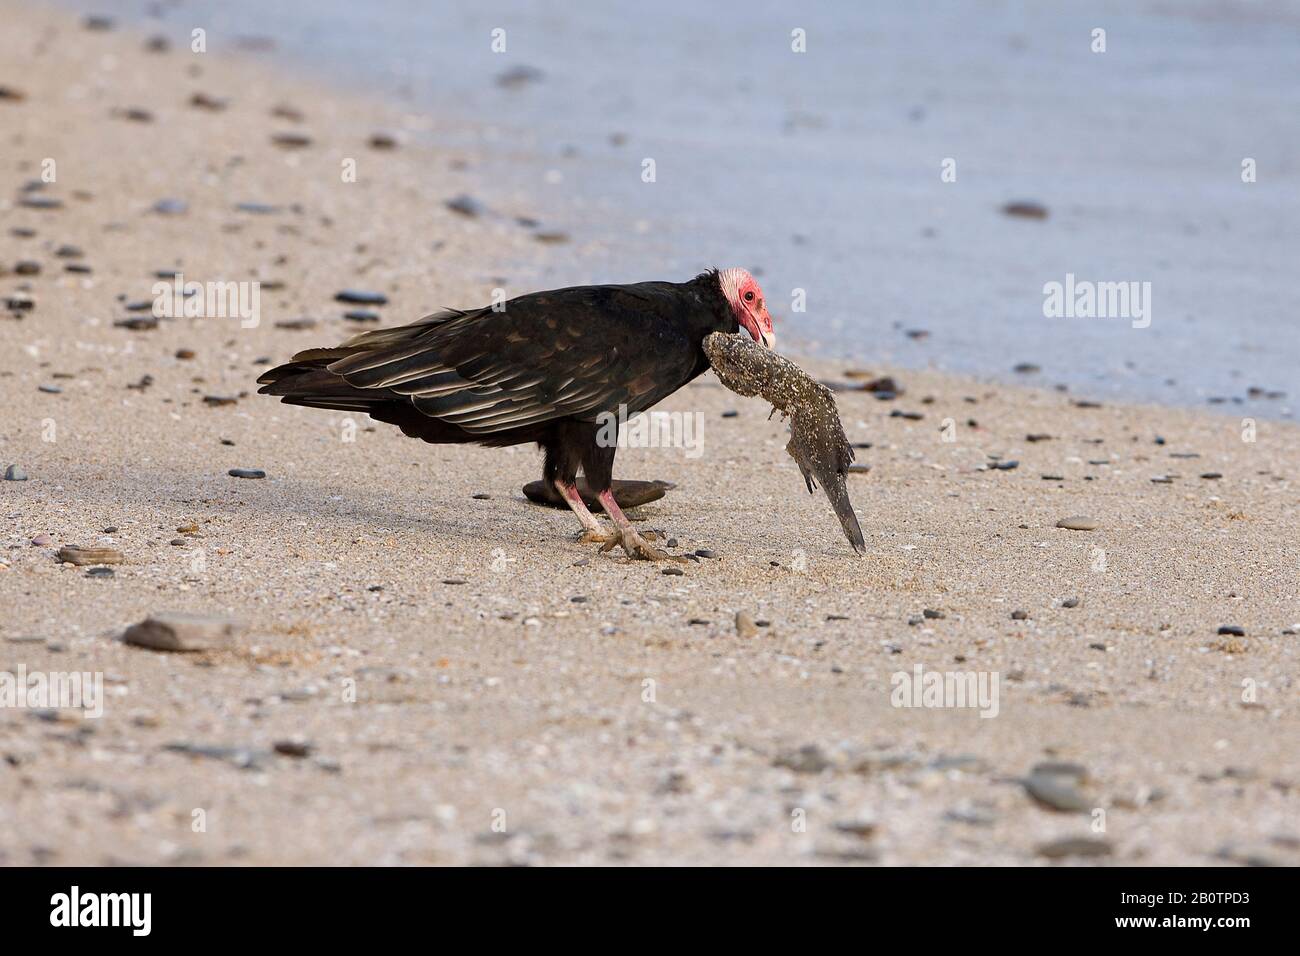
(202, 101)
(172, 631)
(519, 76)
(466, 205)
(293, 747)
(246, 473)
(360, 297)
(1232, 630)
(291, 140)
(40, 202)
(15, 473)
(628, 494)
(138, 323)
(1025, 209)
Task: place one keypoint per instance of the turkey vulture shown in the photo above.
(546, 367)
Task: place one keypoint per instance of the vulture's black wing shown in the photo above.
(566, 353)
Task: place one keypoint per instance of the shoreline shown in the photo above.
(573, 175)
(496, 664)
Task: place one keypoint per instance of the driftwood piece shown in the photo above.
(817, 440)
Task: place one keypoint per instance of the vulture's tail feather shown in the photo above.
(306, 381)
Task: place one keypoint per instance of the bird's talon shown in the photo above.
(638, 548)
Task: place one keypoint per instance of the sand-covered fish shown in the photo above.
(817, 440)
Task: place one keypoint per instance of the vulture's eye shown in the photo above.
(749, 297)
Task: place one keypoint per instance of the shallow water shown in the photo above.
(821, 170)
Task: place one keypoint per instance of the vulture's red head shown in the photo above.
(746, 301)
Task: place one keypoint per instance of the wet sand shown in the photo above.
(558, 705)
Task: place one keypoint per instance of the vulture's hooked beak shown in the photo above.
(760, 327)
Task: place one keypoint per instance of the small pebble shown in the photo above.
(171, 207)
(184, 633)
(1074, 846)
(75, 554)
(361, 297)
(1079, 523)
(15, 473)
(293, 747)
(246, 473)
(465, 205)
(1025, 209)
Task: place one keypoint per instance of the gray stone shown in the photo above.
(175, 631)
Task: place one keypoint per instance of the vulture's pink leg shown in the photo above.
(635, 545)
(591, 529)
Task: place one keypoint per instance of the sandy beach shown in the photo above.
(431, 670)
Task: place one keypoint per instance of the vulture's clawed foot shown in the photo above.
(637, 547)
